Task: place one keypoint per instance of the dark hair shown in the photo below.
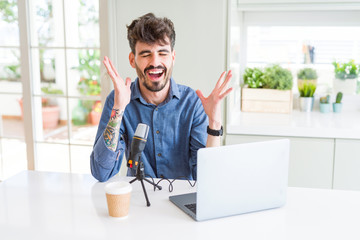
(150, 29)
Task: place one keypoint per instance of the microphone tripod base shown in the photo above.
(140, 177)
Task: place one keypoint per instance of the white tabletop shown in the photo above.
(39, 205)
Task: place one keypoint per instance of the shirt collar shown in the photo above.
(174, 91)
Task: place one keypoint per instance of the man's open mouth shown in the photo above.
(155, 74)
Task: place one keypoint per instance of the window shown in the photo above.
(63, 79)
(65, 54)
(295, 36)
(12, 140)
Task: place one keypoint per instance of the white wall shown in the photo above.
(201, 36)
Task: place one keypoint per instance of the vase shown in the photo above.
(337, 107)
(50, 115)
(306, 104)
(325, 107)
(94, 117)
(346, 86)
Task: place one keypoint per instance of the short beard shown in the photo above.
(153, 86)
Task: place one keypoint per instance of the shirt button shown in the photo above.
(157, 131)
(162, 176)
(159, 154)
(156, 109)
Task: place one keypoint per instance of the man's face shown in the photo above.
(154, 64)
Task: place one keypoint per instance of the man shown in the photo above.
(181, 121)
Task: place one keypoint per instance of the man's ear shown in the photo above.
(173, 56)
(132, 59)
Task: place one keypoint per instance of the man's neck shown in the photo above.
(155, 97)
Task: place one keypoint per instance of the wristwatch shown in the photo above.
(213, 132)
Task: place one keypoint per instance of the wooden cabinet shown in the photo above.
(347, 164)
(311, 159)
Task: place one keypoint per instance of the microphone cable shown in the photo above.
(171, 187)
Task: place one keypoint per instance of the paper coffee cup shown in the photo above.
(118, 198)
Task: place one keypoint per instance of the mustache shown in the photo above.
(152, 67)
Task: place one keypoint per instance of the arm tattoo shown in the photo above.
(111, 133)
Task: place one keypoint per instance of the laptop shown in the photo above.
(237, 179)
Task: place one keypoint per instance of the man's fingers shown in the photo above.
(226, 82)
(200, 95)
(113, 68)
(128, 82)
(225, 93)
(218, 84)
(108, 68)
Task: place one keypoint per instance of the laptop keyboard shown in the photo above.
(191, 207)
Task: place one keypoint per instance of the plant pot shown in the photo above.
(325, 107)
(346, 86)
(337, 107)
(266, 100)
(50, 115)
(306, 104)
(94, 117)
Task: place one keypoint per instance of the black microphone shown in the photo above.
(137, 145)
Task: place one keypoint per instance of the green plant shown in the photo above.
(13, 71)
(50, 90)
(307, 90)
(339, 96)
(89, 68)
(8, 11)
(325, 99)
(253, 77)
(307, 74)
(348, 70)
(276, 77)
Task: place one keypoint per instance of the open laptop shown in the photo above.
(237, 179)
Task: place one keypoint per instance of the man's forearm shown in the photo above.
(112, 131)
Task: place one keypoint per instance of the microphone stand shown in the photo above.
(140, 176)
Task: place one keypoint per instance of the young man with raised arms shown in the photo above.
(181, 120)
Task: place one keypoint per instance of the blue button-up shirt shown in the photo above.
(177, 131)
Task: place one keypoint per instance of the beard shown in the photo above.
(151, 85)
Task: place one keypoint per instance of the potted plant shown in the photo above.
(253, 77)
(346, 77)
(308, 75)
(267, 90)
(337, 105)
(49, 107)
(276, 77)
(306, 100)
(325, 104)
(88, 85)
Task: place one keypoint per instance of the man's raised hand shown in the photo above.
(212, 104)
(121, 88)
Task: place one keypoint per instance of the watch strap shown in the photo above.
(213, 132)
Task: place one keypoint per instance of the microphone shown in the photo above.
(138, 144)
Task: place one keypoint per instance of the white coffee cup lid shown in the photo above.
(119, 187)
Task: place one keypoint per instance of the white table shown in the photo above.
(40, 205)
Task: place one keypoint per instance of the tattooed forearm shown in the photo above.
(111, 133)
(114, 113)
